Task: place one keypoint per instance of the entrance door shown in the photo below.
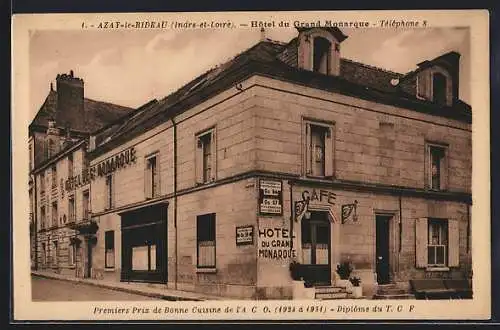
(382, 249)
(316, 249)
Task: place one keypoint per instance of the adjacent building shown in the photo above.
(286, 152)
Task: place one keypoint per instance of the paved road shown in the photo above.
(44, 289)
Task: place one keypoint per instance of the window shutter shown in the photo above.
(147, 179)
(444, 171)
(213, 155)
(421, 232)
(329, 152)
(308, 151)
(453, 244)
(199, 161)
(423, 85)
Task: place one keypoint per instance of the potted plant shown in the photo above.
(344, 271)
(357, 290)
(301, 289)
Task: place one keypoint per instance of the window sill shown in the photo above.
(109, 269)
(437, 269)
(206, 270)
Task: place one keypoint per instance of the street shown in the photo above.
(44, 289)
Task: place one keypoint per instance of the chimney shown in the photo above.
(70, 94)
(52, 139)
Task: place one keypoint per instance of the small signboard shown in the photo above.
(244, 235)
(270, 197)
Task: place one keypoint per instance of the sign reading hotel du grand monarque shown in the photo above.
(109, 165)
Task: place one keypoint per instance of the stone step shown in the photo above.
(394, 296)
(329, 289)
(392, 291)
(326, 296)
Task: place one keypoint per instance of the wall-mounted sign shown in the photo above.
(314, 196)
(347, 210)
(270, 197)
(102, 168)
(244, 235)
(275, 243)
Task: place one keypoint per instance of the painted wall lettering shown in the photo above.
(103, 168)
(275, 243)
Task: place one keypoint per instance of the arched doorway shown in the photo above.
(316, 247)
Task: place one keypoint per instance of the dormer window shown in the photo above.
(321, 55)
(439, 88)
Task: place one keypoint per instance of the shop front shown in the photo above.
(144, 244)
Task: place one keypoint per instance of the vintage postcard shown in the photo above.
(251, 166)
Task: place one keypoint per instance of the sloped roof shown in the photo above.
(266, 58)
(97, 114)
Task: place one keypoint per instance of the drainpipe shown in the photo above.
(292, 211)
(35, 224)
(400, 227)
(175, 198)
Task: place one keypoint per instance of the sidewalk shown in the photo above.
(144, 289)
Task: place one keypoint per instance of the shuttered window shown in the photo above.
(205, 157)
(319, 149)
(109, 192)
(205, 237)
(151, 177)
(437, 243)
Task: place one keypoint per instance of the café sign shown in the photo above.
(102, 168)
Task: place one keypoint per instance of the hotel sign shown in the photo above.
(270, 197)
(102, 168)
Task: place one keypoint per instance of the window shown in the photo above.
(437, 243)
(70, 165)
(42, 217)
(109, 243)
(144, 257)
(30, 156)
(86, 204)
(436, 167)
(439, 88)
(54, 176)
(205, 237)
(109, 192)
(71, 254)
(151, 177)
(205, 157)
(54, 214)
(71, 208)
(56, 255)
(319, 151)
(321, 55)
(44, 254)
(42, 183)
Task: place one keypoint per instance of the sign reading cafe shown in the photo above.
(103, 168)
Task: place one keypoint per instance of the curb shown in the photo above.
(162, 296)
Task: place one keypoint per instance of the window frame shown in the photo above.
(149, 186)
(443, 229)
(110, 191)
(71, 209)
(443, 167)
(328, 145)
(201, 164)
(43, 217)
(53, 171)
(54, 215)
(107, 234)
(213, 226)
(86, 205)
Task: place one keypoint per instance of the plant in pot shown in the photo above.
(344, 271)
(357, 291)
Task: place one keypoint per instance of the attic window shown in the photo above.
(321, 55)
(439, 88)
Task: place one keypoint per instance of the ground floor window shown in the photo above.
(109, 242)
(437, 243)
(144, 257)
(44, 254)
(205, 237)
(71, 254)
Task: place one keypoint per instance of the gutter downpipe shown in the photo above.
(35, 222)
(175, 197)
(400, 225)
(292, 215)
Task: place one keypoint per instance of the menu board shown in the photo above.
(270, 197)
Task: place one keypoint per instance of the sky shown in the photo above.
(132, 67)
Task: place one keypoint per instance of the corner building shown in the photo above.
(288, 151)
